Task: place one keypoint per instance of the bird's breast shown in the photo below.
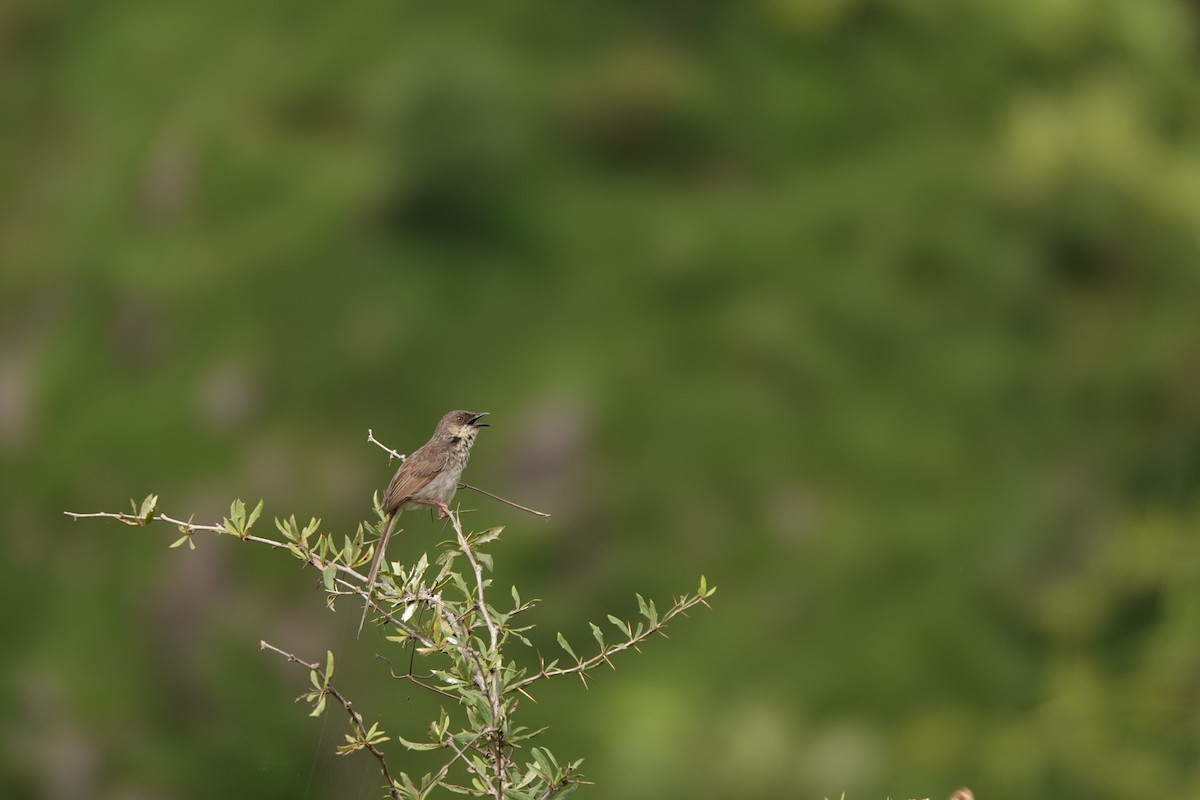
(443, 485)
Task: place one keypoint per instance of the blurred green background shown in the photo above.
(884, 315)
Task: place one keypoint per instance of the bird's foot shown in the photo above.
(443, 510)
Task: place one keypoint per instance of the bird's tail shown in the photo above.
(379, 551)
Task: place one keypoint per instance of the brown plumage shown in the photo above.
(427, 477)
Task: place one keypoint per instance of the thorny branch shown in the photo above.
(681, 607)
(493, 691)
(480, 584)
(456, 629)
(419, 681)
(356, 720)
(189, 527)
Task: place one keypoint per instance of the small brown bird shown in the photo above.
(427, 477)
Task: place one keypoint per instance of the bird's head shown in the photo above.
(462, 424)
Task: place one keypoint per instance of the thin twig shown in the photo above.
(189, 527)
(494, 788)
(602, 657)
(518, 506)
(356, 720)
(409, 676)
(141, 522)
(393, 454)
(435, 780)
(186, 526)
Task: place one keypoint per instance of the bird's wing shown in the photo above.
(414, 474)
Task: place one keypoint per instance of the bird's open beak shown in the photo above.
(475, 420)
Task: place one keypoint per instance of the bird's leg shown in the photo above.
(442, 509)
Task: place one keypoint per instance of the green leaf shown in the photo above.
(180, 540)
(516, 598)
(462, 737)
(320, 707)
(328, 575)
(287, 528)
(375, 735)
(621, 624)
(237, 512)
(520, 735)
(703, 586)
(543, 763)
(641, 605)
(529, 777)
(562, 642)
(328, 665)
(254, 514)
(596, 632)
(406, 787)
(487, 536)
(419, 745)
(149, 506)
